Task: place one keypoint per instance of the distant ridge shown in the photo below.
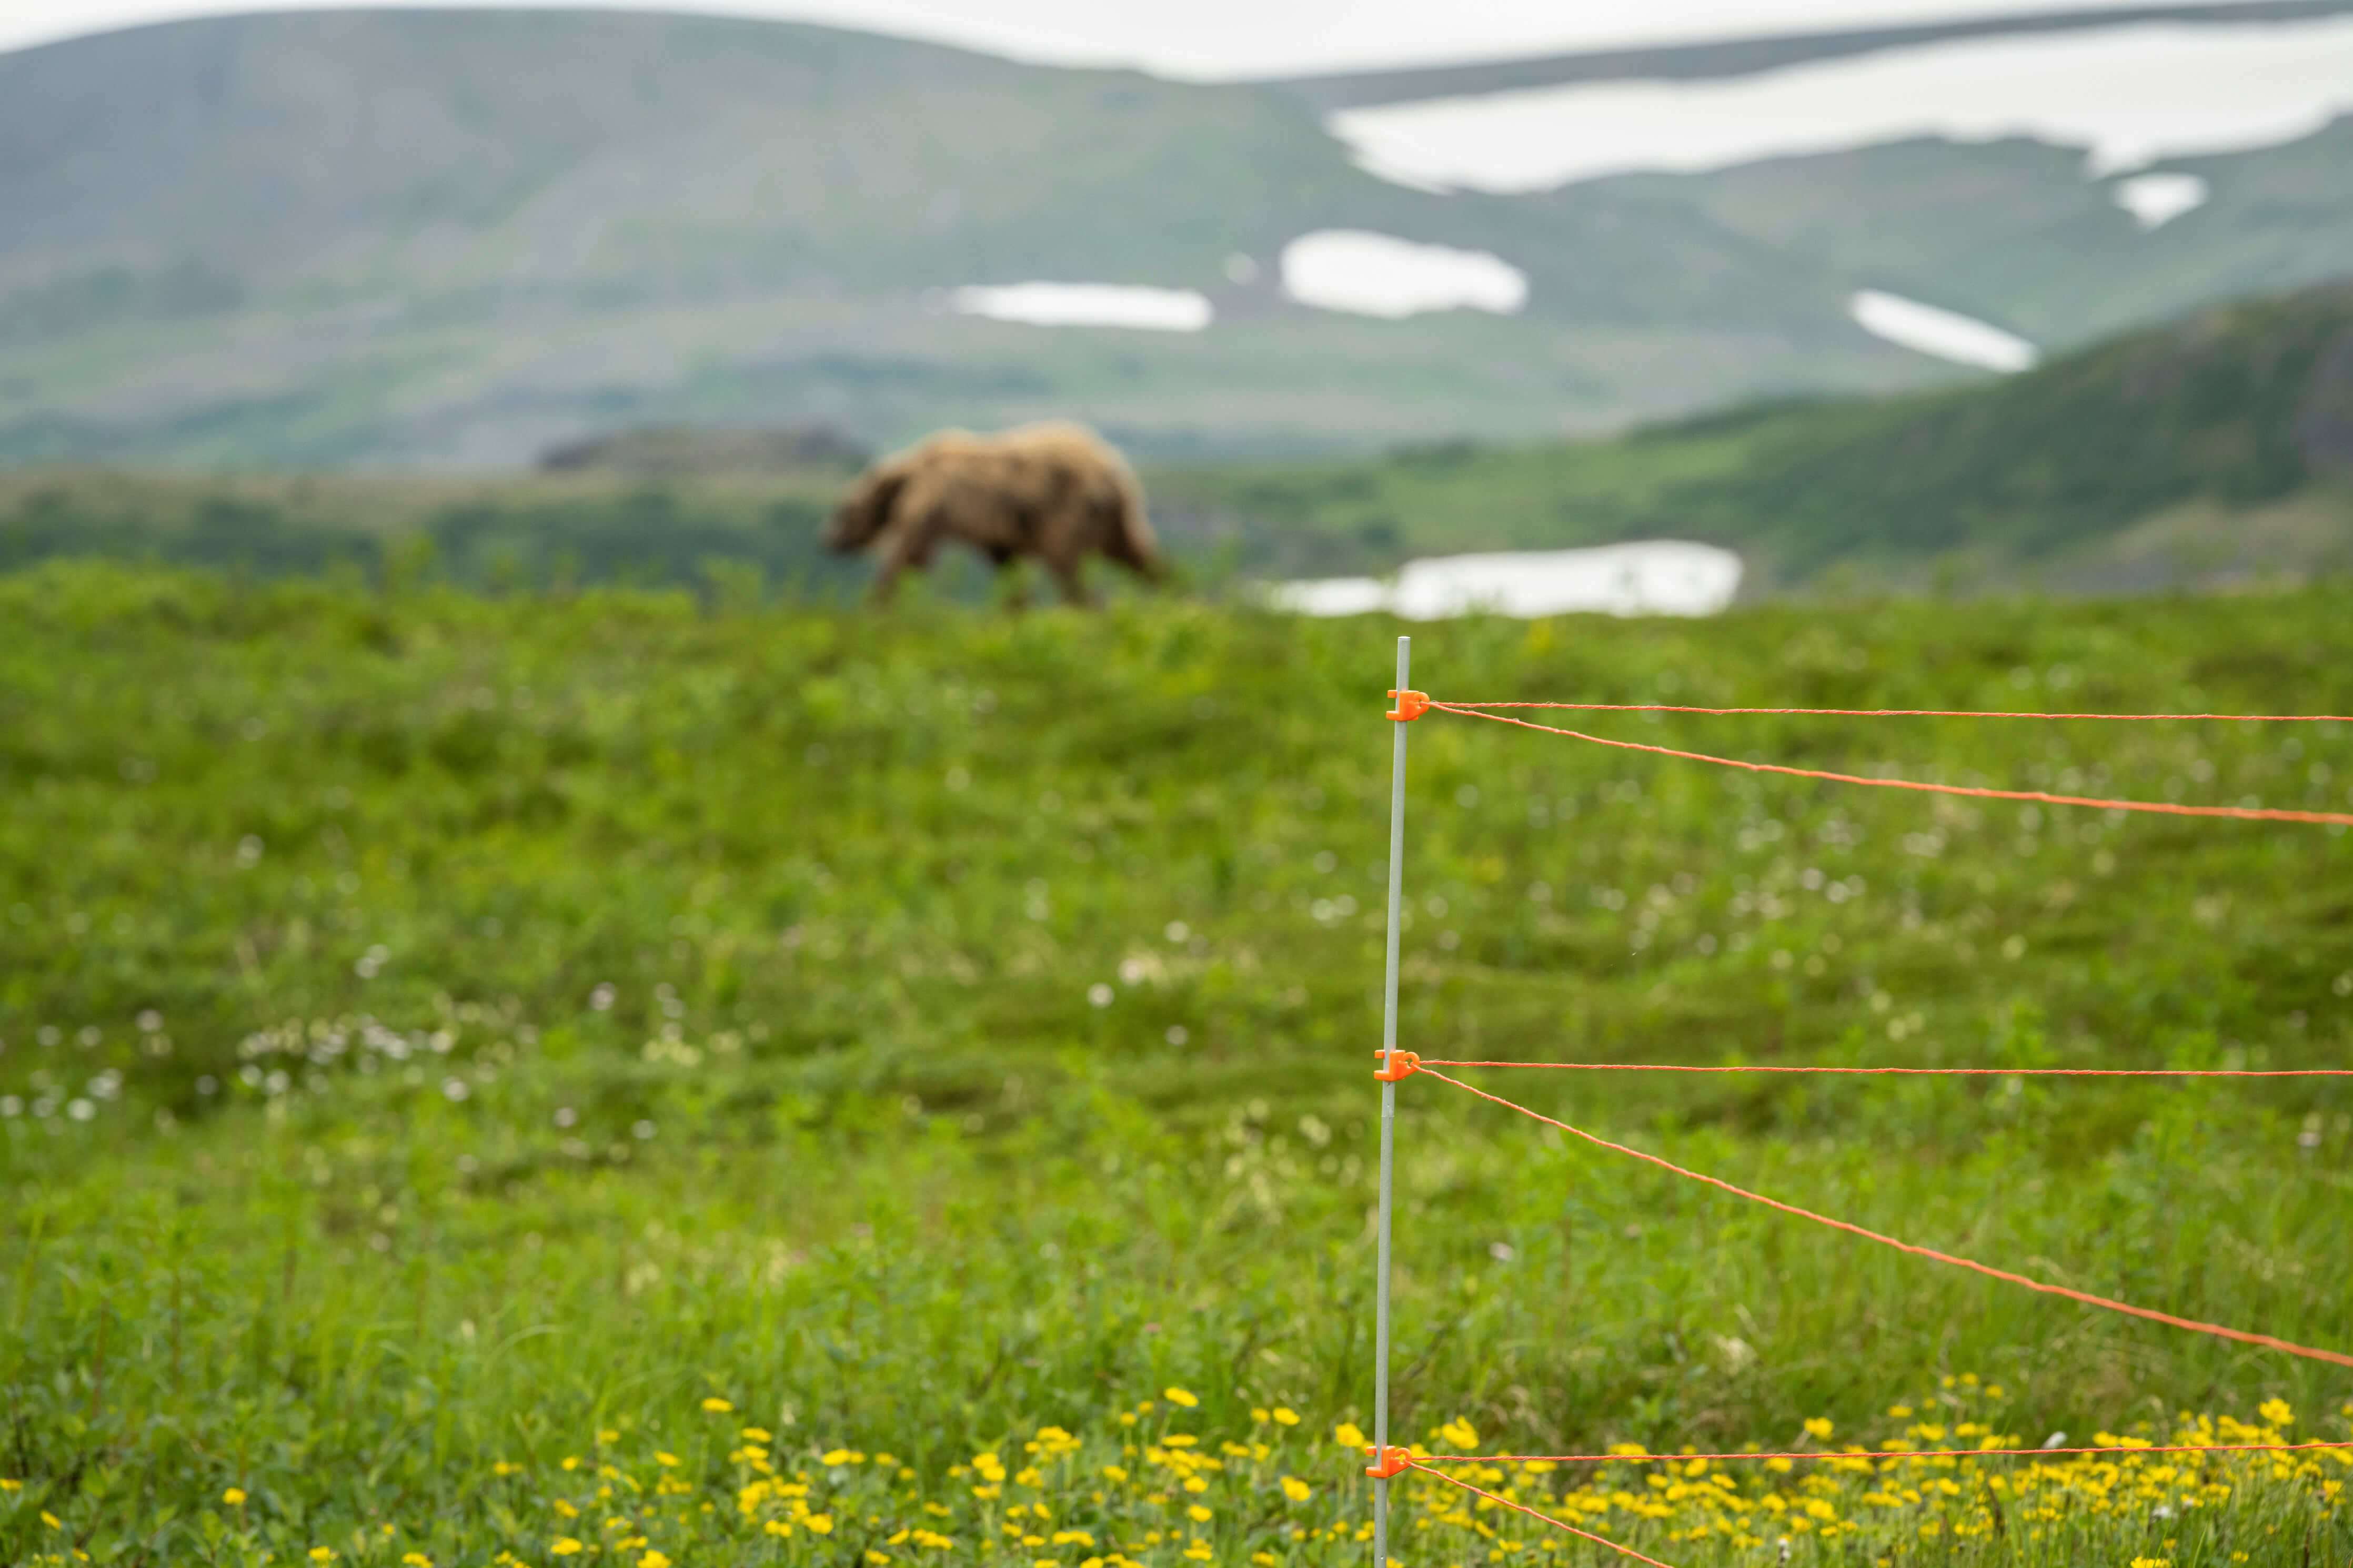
(2215, 449)
(1746, 56)
(452, 239)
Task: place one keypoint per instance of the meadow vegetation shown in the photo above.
(585, 1077)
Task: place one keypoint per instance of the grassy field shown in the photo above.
(628, 1077)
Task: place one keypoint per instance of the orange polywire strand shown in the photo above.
(1879, 1454)
(1917, 1072)
(2245, 813)
(1532, 1513)
(2245, 1337)
(1915, 712)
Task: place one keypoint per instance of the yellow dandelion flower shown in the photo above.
(1180, 1397)
(414, 1560)
(819, 1523)
(52, 1520)
(757, 1435)
(653, 1560)
(234, 1496)
(1285, 1416)
(1899, 1411)
(607, 1435)
(323, 1554)
(564, 1546)
(1264, 1559)
(1348, 1434)
(2276, 1412)
(1198, 1514)
(777, 1527)
(1459, 1433)
(665, 1461)
(1199, 1551)
(878, 1557)
(1818, 1427)
(1113, 1472)
(8, 1486)
(1296, 1489)
(716, 1406)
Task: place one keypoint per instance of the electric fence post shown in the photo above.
(1381, 1468)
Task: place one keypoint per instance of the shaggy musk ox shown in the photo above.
(1055, 492)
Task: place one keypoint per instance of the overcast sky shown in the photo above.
(1209, 38)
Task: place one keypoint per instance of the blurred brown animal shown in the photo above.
(1056, 492)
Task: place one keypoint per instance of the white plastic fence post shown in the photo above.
(1388, 1120)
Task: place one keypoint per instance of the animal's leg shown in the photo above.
(1013, 586)
(1075, 592)
(906, 548)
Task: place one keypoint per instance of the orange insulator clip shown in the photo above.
(1387, 1462)
(1400, 1064)
(1409, 705)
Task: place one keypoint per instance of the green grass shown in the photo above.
(440, 1029)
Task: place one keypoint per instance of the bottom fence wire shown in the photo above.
(1622, 1551)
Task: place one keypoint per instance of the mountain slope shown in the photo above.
(452, 240)
(2013, 232)
(2216, 446)
(382, 235)
(1719, 58)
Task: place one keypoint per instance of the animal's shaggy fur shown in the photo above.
(1056, 491)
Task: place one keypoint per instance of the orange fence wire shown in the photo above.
(2243, 1336)
(2167, 808)
(1878, 1454)
(1940, 1073)
(1425, 1463)
(1912, 712)
(1912, 1072)
(1523, 1508)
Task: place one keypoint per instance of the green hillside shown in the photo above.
(452, 240)
(2213, 451)
(2210, 450)
(455, 237)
